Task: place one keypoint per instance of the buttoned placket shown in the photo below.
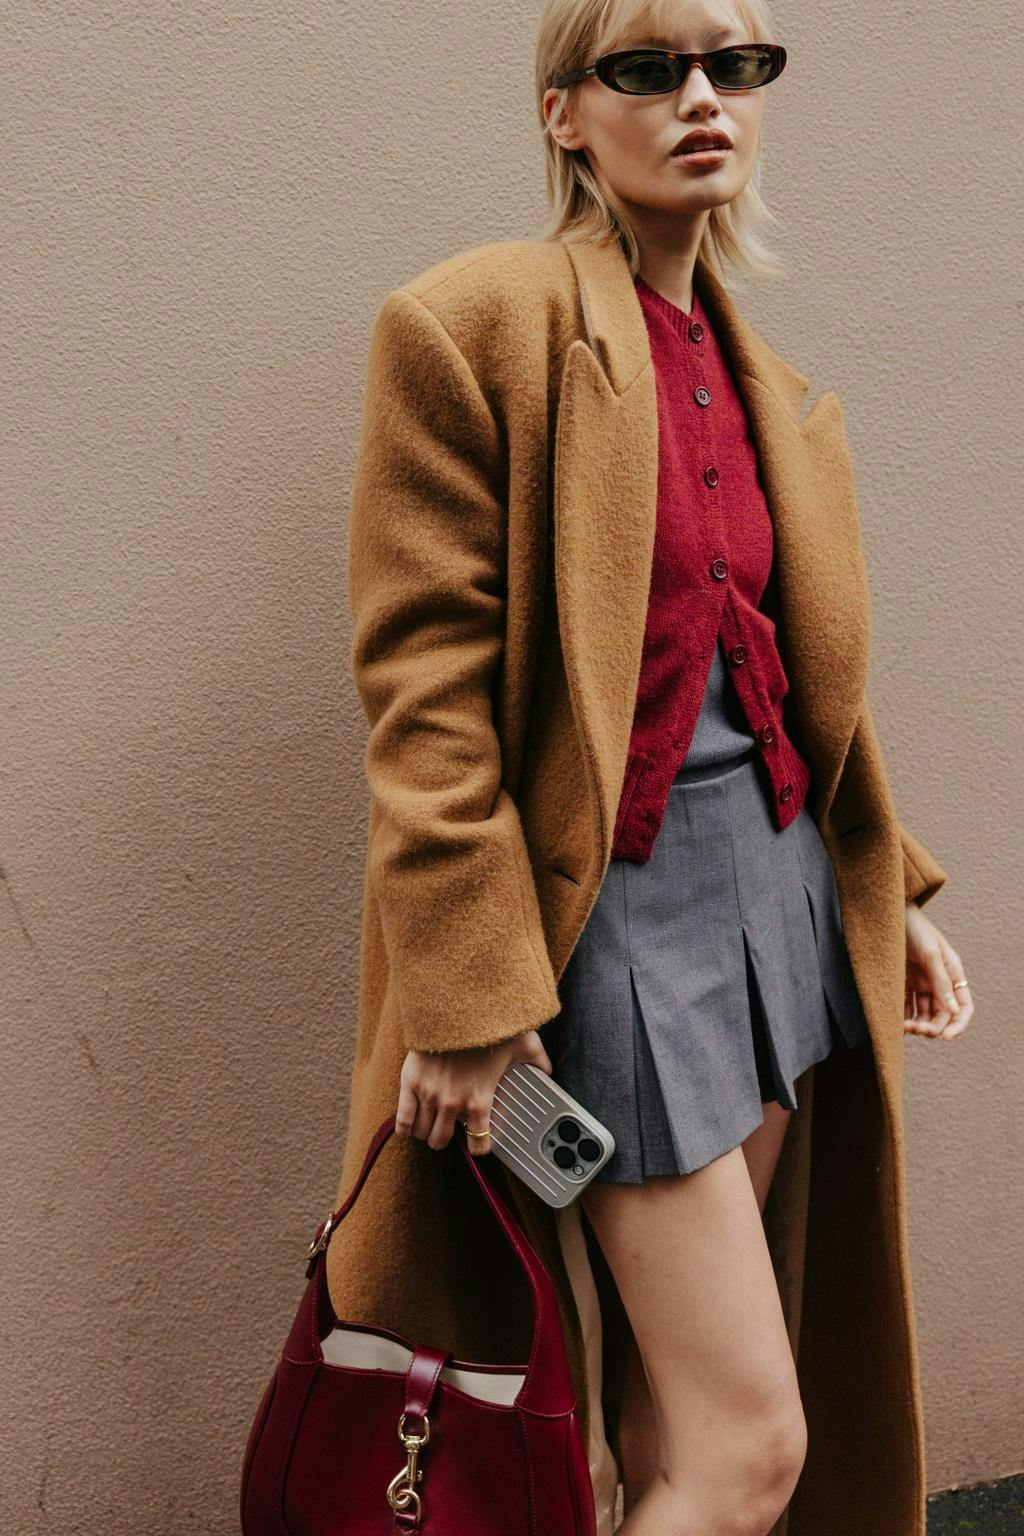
(691, 335)
(729, 629)
(730, 626)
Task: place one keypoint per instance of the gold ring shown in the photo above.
(960, 984)
(478, 1133)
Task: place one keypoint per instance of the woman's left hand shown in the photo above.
(931, 1005)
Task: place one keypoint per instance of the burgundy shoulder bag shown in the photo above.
(359, 1432)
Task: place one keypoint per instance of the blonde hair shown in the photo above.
(573, 33)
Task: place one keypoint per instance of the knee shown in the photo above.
(743, 1489)
(765, 1473)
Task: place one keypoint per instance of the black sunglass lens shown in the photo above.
(646, 72)
(737, 69)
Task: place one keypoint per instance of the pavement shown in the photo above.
(986, 1509)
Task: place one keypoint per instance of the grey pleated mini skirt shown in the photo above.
(707, 979)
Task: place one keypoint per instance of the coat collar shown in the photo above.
(618, 335)
(605, 509)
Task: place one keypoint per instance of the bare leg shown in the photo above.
(637, 1431)
(762, 1147)
(712, 1432)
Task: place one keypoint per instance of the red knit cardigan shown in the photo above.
(713, 550)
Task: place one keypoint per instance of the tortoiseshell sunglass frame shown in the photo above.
(604, 67)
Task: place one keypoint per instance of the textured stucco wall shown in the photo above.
(203, 206)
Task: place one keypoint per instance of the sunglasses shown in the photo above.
(652, 71)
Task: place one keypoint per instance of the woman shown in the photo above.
(620, 815)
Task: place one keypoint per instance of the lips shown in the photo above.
(702, 139)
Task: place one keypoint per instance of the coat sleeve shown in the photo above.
(427, 550)
(923, 875)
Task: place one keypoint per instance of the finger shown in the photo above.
(955, 970)
(932, 1016)
(538, 1057)
(958, 1025)
(940, 1017)
(946, 1006)
(912, 1011)
(475, 1120)
(956, 1028)
(424, 1120)
(910, 1007)
(443, 1129)
(405, 1115)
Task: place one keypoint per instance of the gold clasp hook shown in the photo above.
(320, 1241)
(402, 1487)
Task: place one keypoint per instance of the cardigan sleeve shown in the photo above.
(427, 548)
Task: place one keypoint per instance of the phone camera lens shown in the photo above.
(565, 1157)
(568, 1130)
(588, 1149)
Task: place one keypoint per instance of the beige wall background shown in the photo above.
(203, 207)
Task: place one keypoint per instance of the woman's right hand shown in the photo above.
(440, 1087)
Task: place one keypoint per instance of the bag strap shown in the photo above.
(548, 1385)
(422, 1377)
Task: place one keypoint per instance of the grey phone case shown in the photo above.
(545, 1136)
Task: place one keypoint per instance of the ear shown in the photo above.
(562, 124)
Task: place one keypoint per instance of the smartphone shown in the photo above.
(545, 1136)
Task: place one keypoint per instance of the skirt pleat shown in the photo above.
(707, 979)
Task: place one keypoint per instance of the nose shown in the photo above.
(695, 88)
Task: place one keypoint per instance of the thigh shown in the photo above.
(762, 1147)
(691, 1263)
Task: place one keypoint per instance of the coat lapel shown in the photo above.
(605, 500)
(605, 506)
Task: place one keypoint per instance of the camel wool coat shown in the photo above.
(500, 547)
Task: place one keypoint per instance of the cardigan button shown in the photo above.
(696, 331)
(702, 395)
(719, 569)
(766, 733)
(785, 791)
(711, 475)
(738, 654)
